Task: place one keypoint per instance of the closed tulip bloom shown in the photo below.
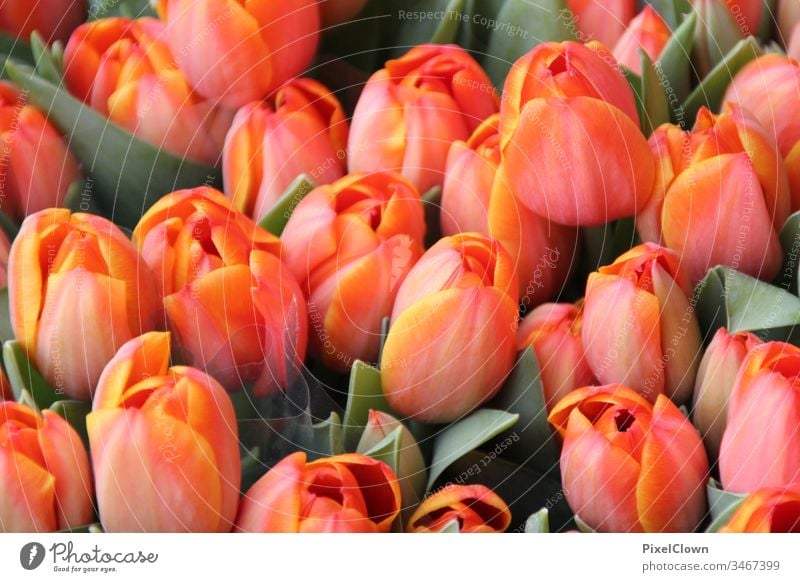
(629, 465)
(234, 308)
(413, 109)
(44, 472)
(557, 102)
(715, 380)
(248, 49)
(69, 272)
(647, 32)
(475, 508)
(761, 444)
(347, 493)
(452, 337)
(350, 245)
(554, 331)
(30, 143)
(771, 510)
(601, 20)
(53, 19)
(302, 130)
(165, 448)
(124, 69)
(639, 327)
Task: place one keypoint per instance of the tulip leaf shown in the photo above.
(129, 174)
(711, 90)
(790, 241)
(672, 11)
(15, 48)
(327, 437)
(8, 225)
(674, 68)
(47, 66)
(582, 525)
(467, 434)
(74, 412)
(722, 504)
(80, 198)
(451, 527)
(127, 8)
(6, 331)
(277, 217)
(23, 376)
(539, 522)
(654, 97)
(364, 393)
(388, 450)
(443, 29)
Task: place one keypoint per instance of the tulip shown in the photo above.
(451, 342)
(554, 331)
(124, 70)
(413, 109)
(44, 472)
(346, 493)
(350, 245)
(53, 19)
(628, 465)
(233, 52)
(715, 380)
(335, 12)
(476, 509)
(788, 24)
(647, 32)
(716, 33)
(793, 50)
(29, 144)
(749, 15)
(726, 175)
(639, 327)
(761, 444)
(303, 130)
(235, 310)
(558, 99)
(165, 448)
(602, 20)
(69, 272)
(775, 510)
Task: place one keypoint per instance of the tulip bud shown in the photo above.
(602, 20)
(775, 510)
(350, 245)
(336, 12)
(716, 33)
(53, 19)
(234, 308)
(165, 448)
(233, 52)
(639, 327)
(302, 131)
(452, 337)
(761, 444)
(413, 109)
(476, 509)
(124, 70)
(554, 331)
(715, 380)
(346, 493)
(44, 472)
(30, 143)
(558, 99)
(647, 32)
(628, 465)
(69, 272)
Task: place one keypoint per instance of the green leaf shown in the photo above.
(277, 217)
(711, 90)
(672, 11)
(674, 69)
(46, 66)
(15, 48)
(129, 174)
(432, 201)
(790, 241)
(9, 226)
(364, 393)
(327, 437)
(6, 331)
(127, 8)
(80, 198)
(460, 438)
(539, 522)
(23, 376)
(582, 525)
(444, 30)
(74, 412)
(388, 450)
(654, 97)
(722, 504)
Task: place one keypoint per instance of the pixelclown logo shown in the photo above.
(31, 555)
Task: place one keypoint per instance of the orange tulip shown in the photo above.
(68, 273)
(347, 493)
(165, 448)
(554, 331)
(476, 509)
(302, 130)
(413, 109)
(727, 177)
(350, 245)
(53, 19)
(639, 327)
(44, 472)
(235, 310)
(715, 380)
(647, 32)
(452, 337)
(234, 52)
(29, 144)
(124, 69)
(767, 511)
(603, 20)
(628, 465)
(557, 102)
(335, 12)
(761, 444)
